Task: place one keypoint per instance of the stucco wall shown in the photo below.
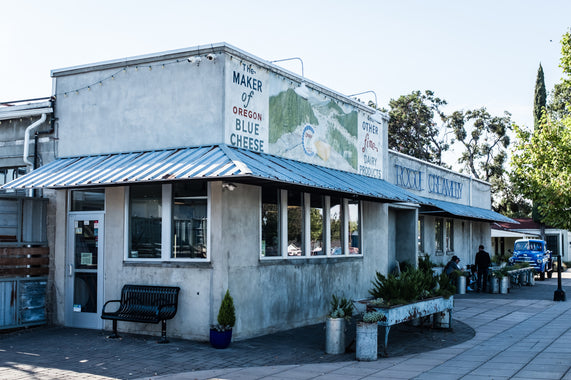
(273, 295)
(141, 109)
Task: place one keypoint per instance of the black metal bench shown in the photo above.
(144, 304)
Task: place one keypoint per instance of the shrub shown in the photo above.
(410, 286)
(226, 313)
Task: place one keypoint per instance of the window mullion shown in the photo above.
(283, 223)
(166, 226)
(327, 225)
(306, 220)
(345, 226)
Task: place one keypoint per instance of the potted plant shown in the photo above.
(367, 340)
(221, 333)
(341, 310)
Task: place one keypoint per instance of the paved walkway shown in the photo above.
(521, 335)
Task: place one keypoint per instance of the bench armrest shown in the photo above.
(166, 305)
(103, 310)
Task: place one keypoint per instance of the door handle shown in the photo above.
(70, 270)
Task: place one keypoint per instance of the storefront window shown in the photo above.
(189, 217)
(270, 222)
(294, 223)
(449, 236)
(354, 227)
(88, 200)
(438, 235)
(145, 221)
(317, 225)
(336, 226)
(421, 234)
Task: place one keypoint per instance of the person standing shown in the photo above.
(483, 262)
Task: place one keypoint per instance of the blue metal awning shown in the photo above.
(464, 211)
(206, 162)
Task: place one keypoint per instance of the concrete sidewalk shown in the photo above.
(521, 335)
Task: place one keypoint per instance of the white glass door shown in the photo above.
(84, 270)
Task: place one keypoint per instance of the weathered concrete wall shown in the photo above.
(12, 134)
(180, 104)
(60, 248)
(406, 235)
(273, 295)
(468, 236)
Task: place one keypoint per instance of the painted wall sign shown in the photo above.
(409, 178)
(246, 107)
(435, 184)
(444, 186)
(269, 113)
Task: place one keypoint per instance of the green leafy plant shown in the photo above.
(340, 307)
(446, 286)
(410, 286)
(226, 313)
(425, 264)
(373, 317)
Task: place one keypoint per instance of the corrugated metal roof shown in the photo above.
(207, 162)
(465, 211)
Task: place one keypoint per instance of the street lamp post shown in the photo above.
(559, 294)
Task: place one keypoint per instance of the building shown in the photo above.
(211, 169)
(504, 235)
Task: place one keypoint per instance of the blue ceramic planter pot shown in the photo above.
(220, 339)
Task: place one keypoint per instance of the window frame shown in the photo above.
(306, 227)
(440, 238)
(421, 244)
(167, 226)
(449, 236)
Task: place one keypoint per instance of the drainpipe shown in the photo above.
(27, 138)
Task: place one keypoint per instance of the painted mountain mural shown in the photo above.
(313, 129)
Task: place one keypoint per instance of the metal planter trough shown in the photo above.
(404, 313)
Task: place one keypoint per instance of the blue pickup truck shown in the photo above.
(534, 252)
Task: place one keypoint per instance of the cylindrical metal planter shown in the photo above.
(335, 336)
(531, 278)
(504, 285)
(366, 341)
(523, 278)
(494, 285)
(442, 320)
(461, 285)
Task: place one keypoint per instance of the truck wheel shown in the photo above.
(550, 274)
(542, 276)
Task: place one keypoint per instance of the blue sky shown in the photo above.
(471, 53)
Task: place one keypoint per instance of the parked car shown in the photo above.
(534, 252)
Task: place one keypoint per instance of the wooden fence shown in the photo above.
(24, 261)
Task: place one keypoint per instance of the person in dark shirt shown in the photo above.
(452, 266)
(482, 264)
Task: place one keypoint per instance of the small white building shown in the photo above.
(211, 169)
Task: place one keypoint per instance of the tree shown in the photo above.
(485, 140)
(541, 163)
(540, 98)
(412, 128)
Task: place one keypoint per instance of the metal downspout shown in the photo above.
(29, 130)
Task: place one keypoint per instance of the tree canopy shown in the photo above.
(541, 162)
(540, 99)
(413, 129)
(484, 138)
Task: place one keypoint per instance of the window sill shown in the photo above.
(167, 264)
(320, 260)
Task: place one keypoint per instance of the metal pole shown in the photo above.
(559, 294)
